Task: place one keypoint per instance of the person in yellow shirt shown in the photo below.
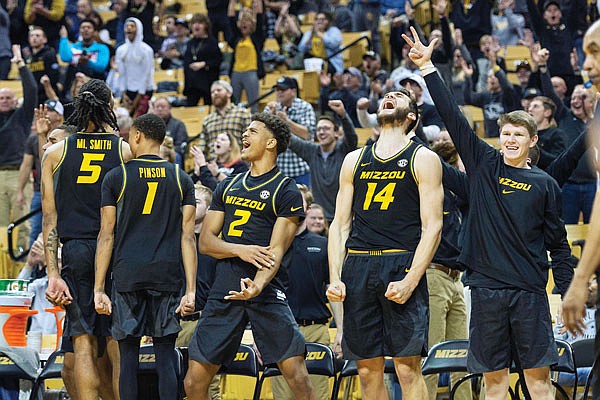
(322, 41)
(247, 44)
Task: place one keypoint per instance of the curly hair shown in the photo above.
(152, 126)
(92, 105)
(278, 127)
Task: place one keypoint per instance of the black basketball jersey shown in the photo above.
(149, 194)
(386, 201)
(86, 159)
(251, 206)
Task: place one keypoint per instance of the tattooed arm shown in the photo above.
(57, 292)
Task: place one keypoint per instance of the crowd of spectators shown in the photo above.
(66, 42)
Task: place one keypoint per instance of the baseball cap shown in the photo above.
(55, 105)
(285, 82)
(353, 71)
(414, 78)
(549, 2)
(522, 64)
(531, 92)
(371, 54)
(181, 21)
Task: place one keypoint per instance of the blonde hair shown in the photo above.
(315, 206)
(247, 14)
(203, 191)
(306, 193)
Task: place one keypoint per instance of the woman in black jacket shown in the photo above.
(202, 60)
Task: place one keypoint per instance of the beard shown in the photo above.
(397, 117)
(219, 101)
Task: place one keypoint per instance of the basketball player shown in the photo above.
(150, 204)
(574, 301)
(72, 173)
(514, 219)
(257, 214)
(387, 225)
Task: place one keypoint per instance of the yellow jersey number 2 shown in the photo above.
(244, 216)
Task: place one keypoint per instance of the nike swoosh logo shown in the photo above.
(446, 212)
(364, 164)
(293, 209)
(504, 191)
(232, 189)
(406, 269)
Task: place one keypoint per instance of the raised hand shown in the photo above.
(574, 60)
(362, 103)
(543, 56)
(16, 51)
(419, 53)
(325, 79)
(458, 38)
(467, 69)
(42, 123)
(337, 107)
(199, 159)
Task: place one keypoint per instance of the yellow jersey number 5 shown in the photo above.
(93, 170)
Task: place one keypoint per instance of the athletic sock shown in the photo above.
(129, 353)
(166, 366)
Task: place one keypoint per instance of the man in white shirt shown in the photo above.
(135, 63)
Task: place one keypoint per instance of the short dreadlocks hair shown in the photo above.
(92, 105)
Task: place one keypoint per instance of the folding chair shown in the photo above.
(147, 378)
(244, 363)
(449, 356)
(566, 363)
(350, 370)
(319, 360)
(585, 356)
(11, 371)
(52, 370)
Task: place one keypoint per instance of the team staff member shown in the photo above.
(72, 173)
(513, 220)
(389, 217)
(307, 279)
(257, 214)
(154, 234)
